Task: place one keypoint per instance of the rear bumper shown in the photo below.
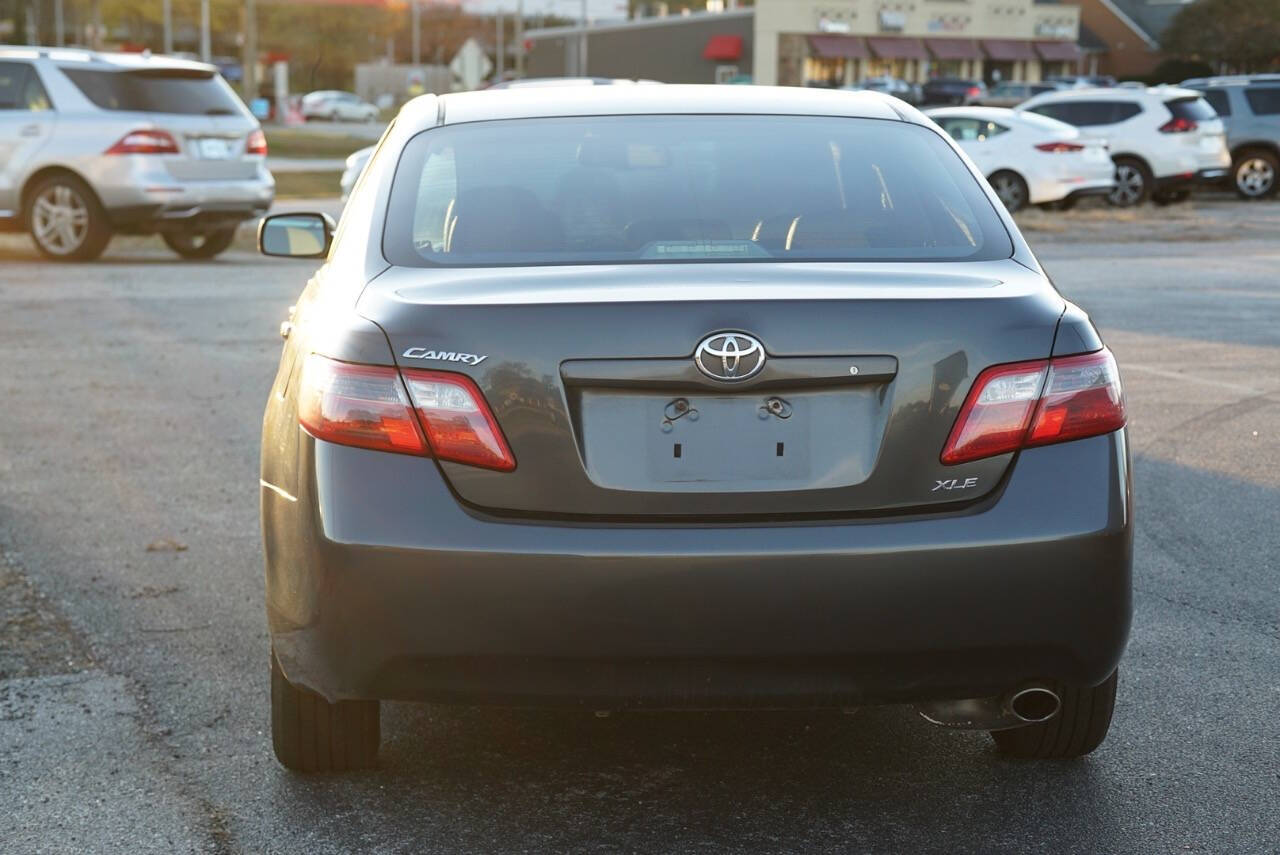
(380, 585)
(1189, 180)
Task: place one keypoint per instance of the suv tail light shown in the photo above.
(1037, 403)
(973, 92)
(256, 143)
(442, 414)
(145, 142)
(1059, 147)
(1178, 125)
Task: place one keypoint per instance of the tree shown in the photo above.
(1231, 35)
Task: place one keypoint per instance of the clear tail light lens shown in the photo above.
(457, 420)
(145, 142)
(256, 143)
(360, 405)
(426, 413)
(1059, 147)
(1025, 404)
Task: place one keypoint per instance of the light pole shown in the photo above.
(58, 38)
(582, 44)
(249, 63)
(416, 17)
(519, 38)
(168, 26)
(500, 53)
(206, 48)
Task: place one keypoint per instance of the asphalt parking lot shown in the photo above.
(133, 660)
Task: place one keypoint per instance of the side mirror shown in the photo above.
(302, 235)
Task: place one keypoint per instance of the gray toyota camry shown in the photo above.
(687, 397)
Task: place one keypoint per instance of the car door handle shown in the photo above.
(31, 131)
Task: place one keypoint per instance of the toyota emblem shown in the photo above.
(729, 356)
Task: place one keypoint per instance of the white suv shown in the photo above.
(95, 144)
(1163, 139)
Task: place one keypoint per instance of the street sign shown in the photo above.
(470, 65)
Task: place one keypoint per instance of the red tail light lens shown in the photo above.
(1081, 398)
(1178, 126)
(1059, 147)
(1037, 403)
(973, 92)
(457, 420)
(145, 142)
(360, 405)
(256, 143)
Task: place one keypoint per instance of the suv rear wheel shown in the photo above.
(205, 244)
(309, 734)
(65, 220)
(1079, 727)
(1133, 183)
(1254, 173)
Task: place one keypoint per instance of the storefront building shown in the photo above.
(839, 42)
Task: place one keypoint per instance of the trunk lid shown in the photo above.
(590, 372)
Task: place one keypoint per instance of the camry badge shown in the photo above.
(443, 356)
(729, 356)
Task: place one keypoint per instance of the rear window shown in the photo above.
(188, 93)
(1195, 109)
(1264, 101)
(1219, 101)
(623, 189)
(12, 77)
(1087, 113)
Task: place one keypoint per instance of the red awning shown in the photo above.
(839, 47)
(723, 48)
(1058, 51)
(953, 48)
(897, 48)
(1008, 50)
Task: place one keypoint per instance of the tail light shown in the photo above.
(1059, 147)
(973, 92)
(441, 414)
(1037, 403)
(145, 142)
(1178, 125)
(256, 143)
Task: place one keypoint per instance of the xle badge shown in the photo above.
(954, 484)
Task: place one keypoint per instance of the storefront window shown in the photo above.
(824, 71)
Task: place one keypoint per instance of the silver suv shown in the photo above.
(96, 144)
(1250, 109)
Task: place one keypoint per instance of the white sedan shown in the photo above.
(335, 106)
(1030, 159)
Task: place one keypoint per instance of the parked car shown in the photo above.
(1083, 81)
(952, 90)
(1012, 93)
(95, 144)
(895, 86)
(1164, 139)
(1249, 106)
(558, 425)
(334, 106)
(355, 165)
(1028, 158)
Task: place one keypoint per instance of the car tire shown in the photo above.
(1078, 728)
(1133, 183)
(65, 219)
(1255, 173)
(199, 245)
(309, 734)
(1011, 189)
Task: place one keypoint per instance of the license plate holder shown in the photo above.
(728, 438)
(213, 148)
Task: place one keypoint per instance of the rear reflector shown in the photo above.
(1037, 403)
(1059, 147)
(457, 420)
(441, 414)
(256, 143)
(145, 142)
(360, 405)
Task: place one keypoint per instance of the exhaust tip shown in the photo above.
(1035, 704)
